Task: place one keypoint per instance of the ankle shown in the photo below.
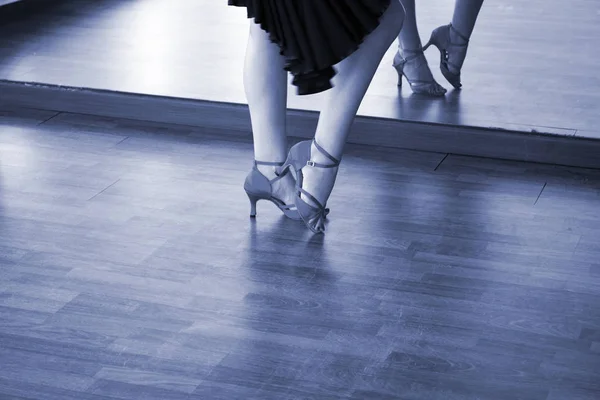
(268, 171)
(405, 52)
(320, 158)
(319, 182)
(457, 37)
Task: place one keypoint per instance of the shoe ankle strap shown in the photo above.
(311, 197)
(335, 161)
(460, 35)
(275, 164)
(413, 54)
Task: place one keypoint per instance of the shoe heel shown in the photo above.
(429, 43)
(281, 170)
(432, 39)
(297, 157)
(287, 164)
(400, 72)
(398, 65)
(253, 200)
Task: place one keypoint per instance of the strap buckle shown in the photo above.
(310, 163)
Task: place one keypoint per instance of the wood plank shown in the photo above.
(129, 269)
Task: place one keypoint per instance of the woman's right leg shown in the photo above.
(350, 85)
(465, 15)
(463, 20)
(265, 84)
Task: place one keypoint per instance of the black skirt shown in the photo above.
(314, 35)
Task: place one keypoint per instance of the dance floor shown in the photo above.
(129, 269)
(527, 70)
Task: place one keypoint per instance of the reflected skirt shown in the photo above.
(314, 35)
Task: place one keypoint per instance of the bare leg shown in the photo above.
(265, 84)
(465, 16)
(415, 68)
(350, 85)
(463, 20)
(409, 34)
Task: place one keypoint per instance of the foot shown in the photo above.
(416, 69)
(283, 189)
(318, 181)
(412, 64)
(457, 58)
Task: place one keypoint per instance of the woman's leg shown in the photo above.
(409, 34)
(265, 84)
(465, 16)
(463, 21)
(350, 85)
(409, 47)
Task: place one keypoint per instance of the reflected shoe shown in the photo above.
(417, 60)
(259, 187)
(452, 55)
(298, 159)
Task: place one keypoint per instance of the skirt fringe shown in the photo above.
(315, 35)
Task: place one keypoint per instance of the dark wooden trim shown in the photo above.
(473, 141)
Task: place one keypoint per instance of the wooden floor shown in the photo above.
(129, 269)
(526, 70)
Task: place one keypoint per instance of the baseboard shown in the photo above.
(492, 143)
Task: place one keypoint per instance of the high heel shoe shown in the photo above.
(259, 187)
(427, 87)
(451, 54)
(299, 158)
